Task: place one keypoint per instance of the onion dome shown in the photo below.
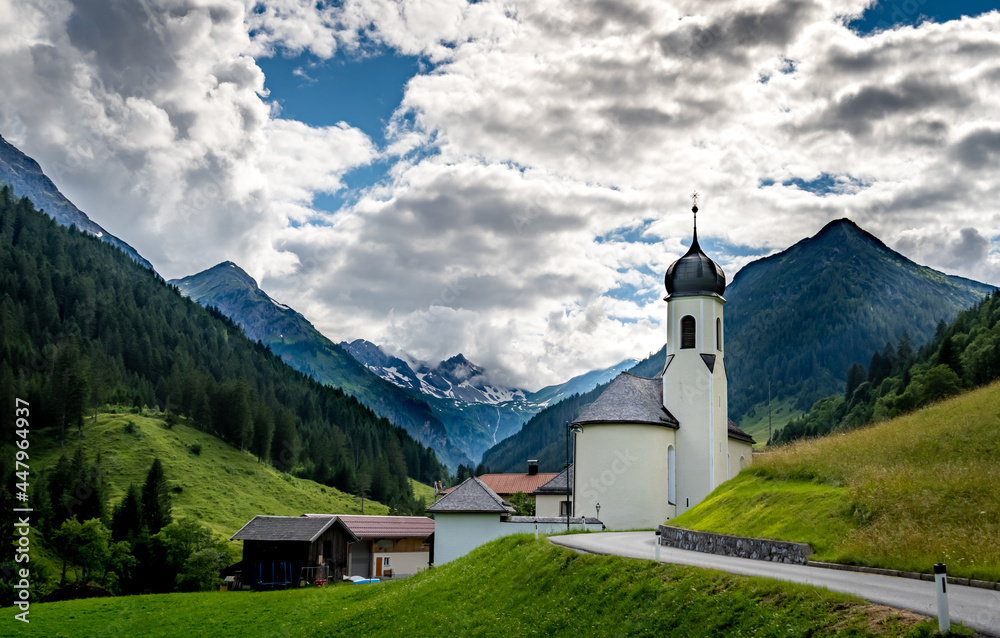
(694, 273)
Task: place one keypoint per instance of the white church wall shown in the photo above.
(624, 468)
(739, 451)
(698, 399)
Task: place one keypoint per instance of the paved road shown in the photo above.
(977, 608)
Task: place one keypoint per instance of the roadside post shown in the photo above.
(941, 582)
(657, 539)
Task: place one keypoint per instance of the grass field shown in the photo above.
(782, 411)
(515, 586)
(903, 494)
(422, 490)
(220, 486)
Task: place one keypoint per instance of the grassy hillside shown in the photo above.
(754, 421)
(221, 486)
(903, 494)
(515, 586)
(420, 490)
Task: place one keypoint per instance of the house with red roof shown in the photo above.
(509, 484)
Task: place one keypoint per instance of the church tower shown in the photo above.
(694, 376)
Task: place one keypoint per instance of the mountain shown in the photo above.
(84, 329)
(802, 317)
(27, 179)
(477, 413)
(581, 384)
(455, 378)
(459, 378)
(290, 336)
(451, 405)
(899, 380)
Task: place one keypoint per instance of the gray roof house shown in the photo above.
(473, 514)
(472, 497)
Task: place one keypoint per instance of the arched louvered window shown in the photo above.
(687, 332)
(718, 334)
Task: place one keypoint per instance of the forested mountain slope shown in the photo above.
(801, 317)
(82, 325)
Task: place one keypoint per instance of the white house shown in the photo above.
(648, 449)
(552, 498)
(473, 514)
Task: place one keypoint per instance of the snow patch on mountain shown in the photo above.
(455, 378)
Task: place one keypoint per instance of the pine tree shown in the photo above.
(904, 351)
(855, 377)
(91, 497)
(127, 520)
(949, 356)
(285, 443)
(156, 499)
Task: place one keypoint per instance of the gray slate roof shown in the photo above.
(558, 484)
(736, 433)
(284, 528)
(472, 496)
(630, 399)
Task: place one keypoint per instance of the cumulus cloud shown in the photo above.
(958, 250)
(540, 164)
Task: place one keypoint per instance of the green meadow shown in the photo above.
(903, 494)
(515, 586)
(210, 480)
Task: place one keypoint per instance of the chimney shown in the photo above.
(532, 467)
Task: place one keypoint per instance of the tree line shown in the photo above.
(83, 326)
(899, 379)
(136, 547)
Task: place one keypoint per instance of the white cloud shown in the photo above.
(541, 165)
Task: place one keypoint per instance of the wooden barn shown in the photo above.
(282, 551)
(276, 548)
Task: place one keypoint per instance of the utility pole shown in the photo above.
(769, 412)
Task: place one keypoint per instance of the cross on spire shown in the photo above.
(694, 209)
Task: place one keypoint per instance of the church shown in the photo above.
(646, 450)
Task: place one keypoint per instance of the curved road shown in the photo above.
(977, 608)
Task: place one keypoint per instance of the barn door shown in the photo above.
(360, 559)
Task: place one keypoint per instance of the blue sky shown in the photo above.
(888, 15)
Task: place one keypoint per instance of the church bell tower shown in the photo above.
(694, 375)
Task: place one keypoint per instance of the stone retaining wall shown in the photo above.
(756, 548)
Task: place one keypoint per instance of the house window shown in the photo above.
(385, 561)
(687, 332)
(564, 508)
(718, 334)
